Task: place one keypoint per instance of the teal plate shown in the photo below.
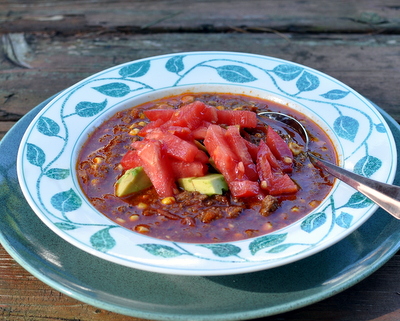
(171, 297)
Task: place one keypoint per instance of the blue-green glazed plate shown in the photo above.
(48, 152)
(155, 296)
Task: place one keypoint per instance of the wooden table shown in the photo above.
(50, 45)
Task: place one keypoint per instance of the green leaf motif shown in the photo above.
(314, 221)
(287, 72)
(116, 89)
(358, 200)
(344, 220)
(266, 241)
(35, 155)
(380, 128)
(175, 64)
(135, 70)
(47, 126)
(307, 82)
(235, 74)
(57, 173)
(335, 94)
(161, 250)
(102, 240)
(67, 201)
(88, 109)
(65, 226)
(346, 127)
(280, 248)
(367, 166)
(223, 250)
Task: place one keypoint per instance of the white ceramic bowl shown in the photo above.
(48, 153)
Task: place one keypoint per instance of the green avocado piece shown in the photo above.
(209, 184)
(134, 180)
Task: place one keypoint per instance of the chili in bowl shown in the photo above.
(253, 179)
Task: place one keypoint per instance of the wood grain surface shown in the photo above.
(48, 46)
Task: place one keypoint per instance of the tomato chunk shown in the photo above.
(150, 127)
(272, 179)
(280, 150)
(155, 114)
(263, 165)
(193, 115)
(156, 165)
(130, 160)
(243, 118)
(244, 188)
(224, 158)
(282, 184)
(188, 169)
(175, 146)
(238, 145)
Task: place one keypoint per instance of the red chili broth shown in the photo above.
(98, 169)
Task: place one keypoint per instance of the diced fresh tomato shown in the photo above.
(244, 188)
(169, 151)
(200, 132)
(263, 165)
(156, 165)
(224, 158)
(185, 169)
(280, 150)
(150, 127)
(282, 184)
(193, 115)
(272, 179)
(175, 146)
(238, 146)
(243, 118)
(163, 114)
(182, 132)
(252, 148)
(275, 165)
(130, 160)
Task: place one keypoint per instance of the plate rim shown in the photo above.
(46, 278)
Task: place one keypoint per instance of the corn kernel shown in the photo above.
(141, 206)
(142, 229)
(287, 160)
(134, 132)
(295, 209)
(120, 220)
(134, 218)
(314, 203)
(142, 123)
(98, 160)
(295, 148)
(187, 99)
(264, 184)
(168, 200)
(267, 226)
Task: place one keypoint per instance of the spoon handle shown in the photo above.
(385, 195)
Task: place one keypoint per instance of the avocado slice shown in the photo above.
(134, 180)
(209, 184)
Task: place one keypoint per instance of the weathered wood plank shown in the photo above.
(215, 15)
(369, 64)
(25, 297)
(5, 127)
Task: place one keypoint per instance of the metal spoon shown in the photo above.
(385, 195)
